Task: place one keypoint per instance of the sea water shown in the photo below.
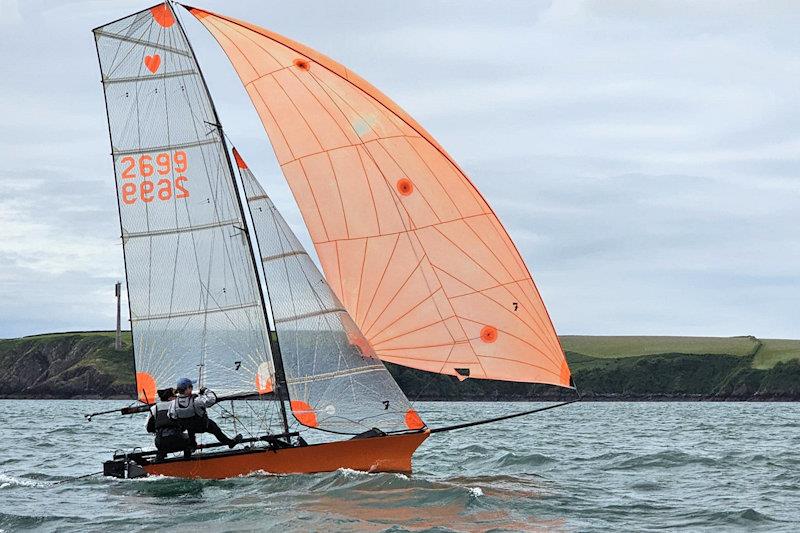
(582, 467)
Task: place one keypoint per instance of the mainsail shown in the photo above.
(335, 381)
(195, 302)
(408, 244)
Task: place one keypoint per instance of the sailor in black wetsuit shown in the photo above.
(170, 436)
(190, 412)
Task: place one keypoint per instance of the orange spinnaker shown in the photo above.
(406, 241)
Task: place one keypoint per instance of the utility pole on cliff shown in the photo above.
(118, 341)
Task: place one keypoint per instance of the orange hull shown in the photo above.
(377, 454)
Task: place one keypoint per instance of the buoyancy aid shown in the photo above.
(162, 419)
(190, 411)
(184, 407)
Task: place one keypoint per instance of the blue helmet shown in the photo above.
(184, 383)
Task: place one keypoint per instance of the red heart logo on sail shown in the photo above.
(152, 62)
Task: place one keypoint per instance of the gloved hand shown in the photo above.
(203, 390)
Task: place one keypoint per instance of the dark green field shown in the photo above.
(692, 367)
(84, 364)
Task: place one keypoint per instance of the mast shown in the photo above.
(280, 377)
(118, 337)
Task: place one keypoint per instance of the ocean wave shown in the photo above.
(663, 459)
(592, 472)
(647, 486)
(7, 481)
(525, 478)
(605, 456)
(17, 522)
(473, 448)
(347, 479)
(747, 517)
(524, 459)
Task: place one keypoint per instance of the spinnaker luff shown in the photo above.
(419, 270)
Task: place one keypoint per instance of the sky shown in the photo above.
(644, 156)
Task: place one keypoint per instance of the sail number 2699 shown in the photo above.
(154, 171)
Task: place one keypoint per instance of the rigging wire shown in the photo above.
(499, 418)
(79, 477)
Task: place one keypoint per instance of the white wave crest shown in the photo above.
(475, 492)
(11, 481)
(350, 473)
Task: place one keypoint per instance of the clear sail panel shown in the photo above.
(335, 380)
(194, 298)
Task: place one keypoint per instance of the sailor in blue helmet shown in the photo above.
(190, 411)
(170, 436)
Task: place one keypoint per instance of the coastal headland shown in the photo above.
(636, 368)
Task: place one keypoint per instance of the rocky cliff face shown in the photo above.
(85, 365)
(65, 366)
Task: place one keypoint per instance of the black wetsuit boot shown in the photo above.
(215, 430)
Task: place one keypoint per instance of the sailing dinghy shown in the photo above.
(418, 269)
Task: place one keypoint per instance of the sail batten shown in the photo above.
(151, 77)
(311, 314)
(332, 375)
(141, 42)
(163, 147)
(409, 245)
(282, 255)
(204, 311)
(183, 229)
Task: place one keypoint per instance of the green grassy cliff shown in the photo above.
(66, 365)
(85, 364)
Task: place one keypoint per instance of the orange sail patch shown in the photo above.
(163, 15)
(304, 413)
(302, 64)
(489, 334)
(407, 242)
(404, 186)
(239, 161)
(264, 381)
(413, 421)
(145, 387)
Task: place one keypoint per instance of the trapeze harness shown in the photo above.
(169, 433)
(164, 425)
(190, 414)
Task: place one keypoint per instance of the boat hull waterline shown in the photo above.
(391, 453)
